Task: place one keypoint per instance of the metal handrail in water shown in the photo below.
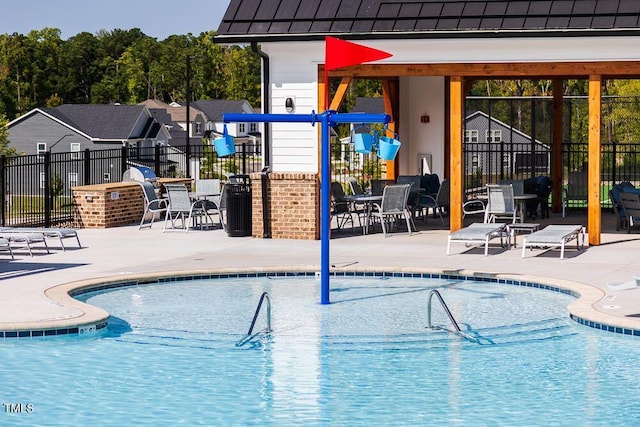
(444, 306)
(250, 335)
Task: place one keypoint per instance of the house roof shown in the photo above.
(306, 20)
(175, 131)
(215, 108)
(368, 105)
(107, 122)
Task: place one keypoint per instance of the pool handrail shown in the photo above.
(250, 335)
(448, 312)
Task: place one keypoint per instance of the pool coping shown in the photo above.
(94, 319)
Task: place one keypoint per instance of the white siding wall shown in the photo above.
(294, 74)
(421, 96)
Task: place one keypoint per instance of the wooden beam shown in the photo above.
(456, 113)
(594, 172)
(556, 146)
(340, 93)
(506, 70)
(390, 97)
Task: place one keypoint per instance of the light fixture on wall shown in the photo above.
(289, 104)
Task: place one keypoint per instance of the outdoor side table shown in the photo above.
(521, 228)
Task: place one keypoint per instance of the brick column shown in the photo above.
(293, 203)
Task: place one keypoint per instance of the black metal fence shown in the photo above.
(38, 187)
(346, 162)
(513, 141)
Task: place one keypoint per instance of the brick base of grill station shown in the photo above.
(111, 204)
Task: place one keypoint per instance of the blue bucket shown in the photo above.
(363, 141)
(225, 146)
(388, 147)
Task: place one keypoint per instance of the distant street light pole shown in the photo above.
(56, 143)
(188, 96)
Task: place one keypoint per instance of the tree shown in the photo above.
(5, 150)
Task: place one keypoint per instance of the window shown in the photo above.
(41, 148)
(253, 127)
(106, 177)
(494, 136)
(41, 179)
(72, 179)
(75, 150)
(470, 136)
(506, 161)
(242, 127)
(198, 129)
(474, 162)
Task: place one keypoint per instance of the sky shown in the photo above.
(156, 18)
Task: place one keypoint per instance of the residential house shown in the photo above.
(517, 152)
(206, 124)
(437, 47)
(74, 128)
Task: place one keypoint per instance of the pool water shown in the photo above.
(169, 358)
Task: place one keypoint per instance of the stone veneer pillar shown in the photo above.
(293, 205)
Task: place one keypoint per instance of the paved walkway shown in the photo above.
(27, 300)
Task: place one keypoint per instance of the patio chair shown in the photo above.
(341, 208)
(153, 205)
(437, 203)
(517, 184)
(555, 236)
(500, 204)
(393, 207)
(354, 186)
(631, 205)
(576, 190)
(378, 185)
(473, 207)
(181, 206)
(413, 202)
(208, 189)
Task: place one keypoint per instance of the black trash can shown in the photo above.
(238, 201)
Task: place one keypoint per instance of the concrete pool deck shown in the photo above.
(33, 290)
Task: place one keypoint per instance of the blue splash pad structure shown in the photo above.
(327, 120)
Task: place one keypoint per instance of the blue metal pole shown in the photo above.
(325, 209)
(327, 119)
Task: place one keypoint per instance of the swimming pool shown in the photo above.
(169, 358)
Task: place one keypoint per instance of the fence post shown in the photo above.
(244, 158)
(47, 189)
(123, 161)
(87, 167)
(3, 186)
(156, 161)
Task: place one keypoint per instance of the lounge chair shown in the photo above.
(479, 234)
(25, 239)
(555, 236)
(53, 233)
(5, 246)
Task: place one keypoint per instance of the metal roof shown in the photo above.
(109, 122)
(273, 20)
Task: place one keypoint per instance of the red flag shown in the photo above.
(341, 53)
